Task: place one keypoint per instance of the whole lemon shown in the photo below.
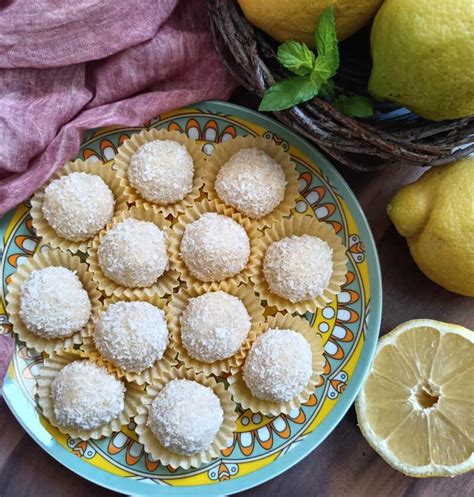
(423, 56)
(436, 215)
(297, 19)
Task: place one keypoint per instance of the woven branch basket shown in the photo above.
(392, 136)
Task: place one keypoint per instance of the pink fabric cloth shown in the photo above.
(66, 67)
(6, 351)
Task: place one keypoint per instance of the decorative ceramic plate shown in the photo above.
(263, 447)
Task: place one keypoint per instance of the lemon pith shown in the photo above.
(416, 408)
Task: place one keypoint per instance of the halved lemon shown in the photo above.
(416, 408)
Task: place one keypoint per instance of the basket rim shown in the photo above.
(360, 144)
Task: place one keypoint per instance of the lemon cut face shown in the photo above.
(416, 408)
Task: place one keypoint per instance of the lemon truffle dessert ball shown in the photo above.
(278, 366)
(53, 303)
(132, 335)
(215, 247)
(298, 268)
(251, 182)
(162, 171)
(185, 417)
(133, 253)
(214, 326)
(78, 206)
(85, 396)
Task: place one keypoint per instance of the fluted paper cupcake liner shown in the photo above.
(178, 304)
(164, 455)
(130, 146)
(193, 214)
(300, 225)
(242, 394)
(224, 151)
(41, 260)
(145, 376)
(165, 284)
(51, 367)
(43, 228)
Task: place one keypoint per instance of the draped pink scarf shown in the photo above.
(68, 66)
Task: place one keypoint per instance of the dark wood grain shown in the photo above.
(344, 465)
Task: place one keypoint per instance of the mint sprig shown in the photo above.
(296, 57)
(355, 106)
(313, 74)
(287, 93)
(325, 38)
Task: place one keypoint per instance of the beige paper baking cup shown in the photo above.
(224, 151)
(42, 227)
(300, 224)
(164, 455)
(51, 367)
(41, 260)
(165, 284)
(169, 356)
(241, 393)
(178, 304)
(130, 146)
(191, 215)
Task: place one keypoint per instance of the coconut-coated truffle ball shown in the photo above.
(133, 253)
(162, 171)
(85, 396)
(298, 268)
(132, 335)
(53, 303)
(278, 366)
(215, 247)
(78, 206)
(214, 326)
(185, 417)
(251, 182)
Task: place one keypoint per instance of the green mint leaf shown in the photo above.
(316, 78)
(324, 67)
(326, 91)
(326, 42)
(354, 106)
(287, 93)
(296, 57)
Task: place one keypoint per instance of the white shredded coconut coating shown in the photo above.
(85, 396)
(214, 326)
(185, 417)
(132, 335)
(251, 182)
(298, 268)
(278, 366)
(215, 247)
(162, 171)
(133, 253)
(78, 206)
(53, 303)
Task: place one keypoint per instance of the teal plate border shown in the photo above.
(29, 419)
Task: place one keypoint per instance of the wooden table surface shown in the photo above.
(344, 465)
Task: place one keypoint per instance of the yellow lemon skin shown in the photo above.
(436, 216)
(296, 19)
(423, 56)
